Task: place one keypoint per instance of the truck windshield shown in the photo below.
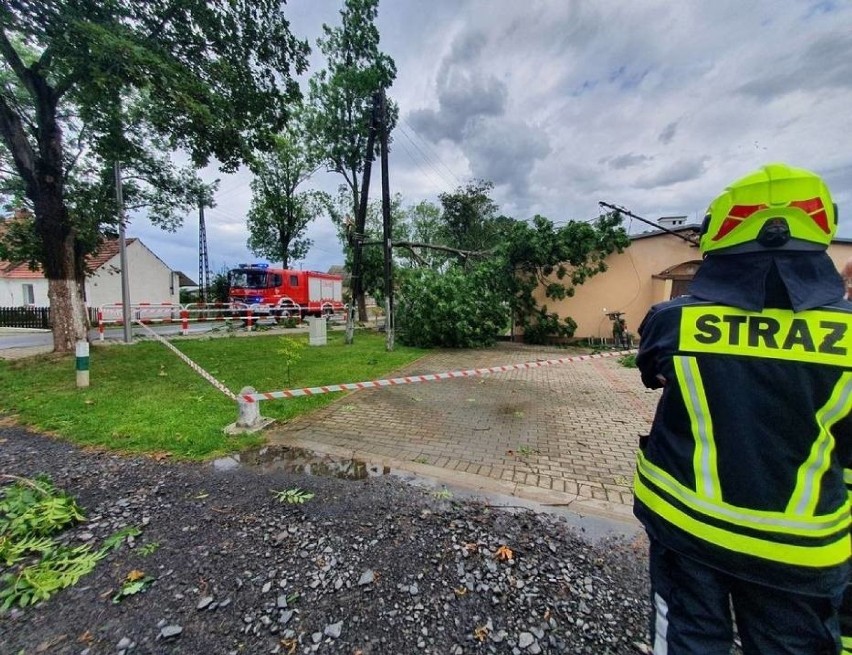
(241, 278)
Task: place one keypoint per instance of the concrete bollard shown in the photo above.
(248, 418)
(82, 364)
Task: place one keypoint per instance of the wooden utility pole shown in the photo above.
(356, 284)
(386, 223)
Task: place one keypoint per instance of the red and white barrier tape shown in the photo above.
(195, 367)
(373, 384)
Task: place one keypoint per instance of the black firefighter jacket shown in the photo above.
(744, 466)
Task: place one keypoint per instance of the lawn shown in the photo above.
(143, 398)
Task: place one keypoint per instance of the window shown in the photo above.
(294, 280)
(276, 280)
(28, 294)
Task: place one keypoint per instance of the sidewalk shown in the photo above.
(562, 435)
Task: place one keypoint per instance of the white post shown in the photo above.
(82, 365)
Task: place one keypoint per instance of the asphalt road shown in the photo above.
(15, 338)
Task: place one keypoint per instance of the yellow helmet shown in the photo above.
(775, 207)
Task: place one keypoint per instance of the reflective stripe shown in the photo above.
(847, 476)
(832, 554)
(695, 400)
(765, 521)
(809, 476)
(661, 625)
(816, 336)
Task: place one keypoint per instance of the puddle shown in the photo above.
(299, 460)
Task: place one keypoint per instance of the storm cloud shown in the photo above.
(652, 105)
(825, 64)
(679, 171)
(464, 93)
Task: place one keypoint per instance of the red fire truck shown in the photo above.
(284, 292)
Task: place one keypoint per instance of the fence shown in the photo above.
(34, 317)
(25, 317)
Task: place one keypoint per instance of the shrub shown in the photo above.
(541, 327)
(451, 309)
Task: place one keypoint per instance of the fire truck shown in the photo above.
(284, 292)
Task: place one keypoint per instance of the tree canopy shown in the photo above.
(341, 101)
(493, 267)
(280, 213)
(89, 82)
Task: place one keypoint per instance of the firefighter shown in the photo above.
(740, 483)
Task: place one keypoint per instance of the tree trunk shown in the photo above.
(62, 265)
(67, 314)
(362, 308)
(40, 166)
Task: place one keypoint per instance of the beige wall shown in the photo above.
(629, 284)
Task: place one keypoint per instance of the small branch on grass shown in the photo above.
(25, 481)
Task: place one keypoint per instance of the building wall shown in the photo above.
(629, 284)
(151, 281)
(12, 293)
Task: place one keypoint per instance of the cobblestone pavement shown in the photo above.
(562, 435)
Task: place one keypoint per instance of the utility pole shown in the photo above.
(356, 286)
(386, 223)
(203, 260)
(622, 210)
(122, 250)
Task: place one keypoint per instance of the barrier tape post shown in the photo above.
(82, 364)
(249, 419)
(101, 324)
(184, 322)
(431, 377)
(248, 320)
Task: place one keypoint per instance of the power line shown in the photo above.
(441, 181)
(426, 158)
(434, 152)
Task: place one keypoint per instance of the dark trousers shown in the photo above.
(846, 621)
(692, 613)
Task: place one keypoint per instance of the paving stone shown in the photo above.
(581, 421)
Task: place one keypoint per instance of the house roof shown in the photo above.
(685, 229)
(8, 270)
(109, 249)
(185, 281)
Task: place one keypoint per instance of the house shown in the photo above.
(657, 266)
(150, 279)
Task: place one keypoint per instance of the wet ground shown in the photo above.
(287, 459)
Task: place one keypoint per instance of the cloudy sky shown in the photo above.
(651, 105)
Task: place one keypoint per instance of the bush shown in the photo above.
(628, 361)
(450, 309)
(541, 327)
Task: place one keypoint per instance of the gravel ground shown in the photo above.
(368, 567)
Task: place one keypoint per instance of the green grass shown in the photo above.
(143, 398)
